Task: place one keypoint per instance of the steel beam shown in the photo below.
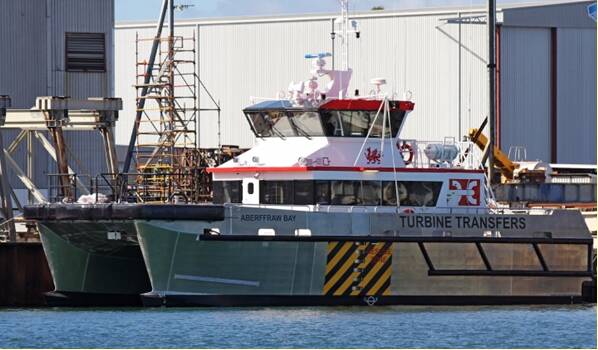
(22, 176)
(5, 201)
(52, 152)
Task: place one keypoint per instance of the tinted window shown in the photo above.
(379, 124)
(227, 192)
(420, 193)
(276, 192)
(307, 123)
(396, 119)
(411, 193)
(370, 193)
(304, 192)
(389, 195)
(259, 124)
(322, 192)
(332, 123)
(344, 192)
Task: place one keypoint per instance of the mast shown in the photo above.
(491, 23)
(148, 75)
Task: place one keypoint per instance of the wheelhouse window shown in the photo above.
(227, 192)
(272, 123)
(358, 123)
(307, 123)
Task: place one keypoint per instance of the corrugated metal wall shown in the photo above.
(125, 72)
(416, 52)
(33, 65)
(95, 16)
(419, 52)
(23, 47)
(525, 90)
(576, 106)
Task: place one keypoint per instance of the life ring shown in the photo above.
(408, 211)
(405, 149)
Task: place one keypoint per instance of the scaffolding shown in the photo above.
(164, 142)
(167, 134)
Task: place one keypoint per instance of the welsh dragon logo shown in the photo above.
(372, 155)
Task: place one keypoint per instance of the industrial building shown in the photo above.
(546, 54)
(55, 48)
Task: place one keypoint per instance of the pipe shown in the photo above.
(491, 86)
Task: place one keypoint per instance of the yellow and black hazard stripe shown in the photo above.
(358, 268)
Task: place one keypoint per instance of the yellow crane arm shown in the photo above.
(501, 160)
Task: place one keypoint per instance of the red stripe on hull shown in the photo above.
(295, 169)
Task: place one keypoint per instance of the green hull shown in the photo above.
(88, 268)
(188, 268)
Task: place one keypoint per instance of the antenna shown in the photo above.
(341, 28)
(345, 27)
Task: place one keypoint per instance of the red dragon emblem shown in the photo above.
(372, 155)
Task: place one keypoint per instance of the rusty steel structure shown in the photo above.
(54, 116)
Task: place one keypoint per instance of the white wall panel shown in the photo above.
(443, 65)
(243, 60)
(525, 90)
(126, 73)
(576, 106)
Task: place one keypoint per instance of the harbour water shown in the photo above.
(331, 327)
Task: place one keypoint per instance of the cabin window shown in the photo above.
(389, 194)
(344, 192)
(227, 192)
(304, 192)
(276, 192)
(339, 192)
(411, 193)
(370, 193)
(322, 191)
(250, 188)
(420, 193)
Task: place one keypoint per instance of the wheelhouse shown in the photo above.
(336, 118)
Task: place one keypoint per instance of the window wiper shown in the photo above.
(277, 132)
(299, 129)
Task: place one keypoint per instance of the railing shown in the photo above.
(60, 190)
(350, 209)
(20, 235)
(452, 154)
